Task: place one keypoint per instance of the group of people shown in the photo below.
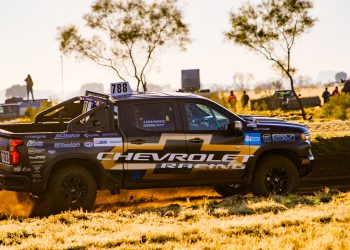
(232, 100)
(326, 95)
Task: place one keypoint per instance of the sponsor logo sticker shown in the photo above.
(51, 152)
(283, 137)
(252, 139)
(86, 135)
(37, 137)
(88, 144)
(33, 151)
(67, 145)
(267, 138)
(38, 157)
(108, 142)
(33, 143)
(67, 136)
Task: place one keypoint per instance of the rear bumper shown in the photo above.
(13, 182)
(306, 165)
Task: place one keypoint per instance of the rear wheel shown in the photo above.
(70, 187)
(275, 175)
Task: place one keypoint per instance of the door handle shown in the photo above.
(196, 140)
(138, 141)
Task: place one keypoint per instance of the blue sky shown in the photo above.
(28, 45)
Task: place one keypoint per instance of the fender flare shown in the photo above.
(284, 150)
(53, 163)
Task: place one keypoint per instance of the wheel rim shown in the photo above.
(73, 190)
(278, 181)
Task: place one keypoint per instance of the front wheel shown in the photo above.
(275, 174)
(70, 187)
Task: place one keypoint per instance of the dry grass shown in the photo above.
(294, 222)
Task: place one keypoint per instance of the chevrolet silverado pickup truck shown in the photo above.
(149, 140)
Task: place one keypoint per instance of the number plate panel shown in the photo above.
(5, 156)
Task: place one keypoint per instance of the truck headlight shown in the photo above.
(305, 137)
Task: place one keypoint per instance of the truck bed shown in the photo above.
(32, 127)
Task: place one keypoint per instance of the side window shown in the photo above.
(202, 117)
(154, 116)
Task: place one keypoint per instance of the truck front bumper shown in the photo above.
(13, 182)
(306, 165)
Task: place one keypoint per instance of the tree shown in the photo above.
(340, 76)
(241, 81)
(270, 29)
(95, 87)
(126, 35)
(16, 90)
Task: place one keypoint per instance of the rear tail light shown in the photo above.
(15, 158)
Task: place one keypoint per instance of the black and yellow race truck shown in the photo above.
(149, 140)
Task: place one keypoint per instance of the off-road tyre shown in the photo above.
(275, 174)
(229, 190)
(70, 187)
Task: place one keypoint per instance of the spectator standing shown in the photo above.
(326, 95)
(30, 84)
(244, 99)
(346, 88)
(335, 91)
(232, 100)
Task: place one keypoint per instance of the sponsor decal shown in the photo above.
(67, 136)
(37, 162)
(154, 123)
(17, 169)
(26, 169)
(252, 139)
(37, 157)
(33, 151)
(136, 175)
(37, 137)
(33, 143)
(37, 169)
(169, 157)
(108, 142)
(231, 166)
(267, 138)
(36, 175)
(88, 144)
(86, 135)
(51, 152)
(67, 145)
(110, 134)
(283, 137)
(37, 165)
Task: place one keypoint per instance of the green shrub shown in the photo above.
(338, 107)
(32, 112)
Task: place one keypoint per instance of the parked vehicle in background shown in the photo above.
(284, 99)
(16, 107)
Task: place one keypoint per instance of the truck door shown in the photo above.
(155, 144)
(216, 152)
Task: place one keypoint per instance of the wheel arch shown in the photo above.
(288, 153)
(91, 165)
